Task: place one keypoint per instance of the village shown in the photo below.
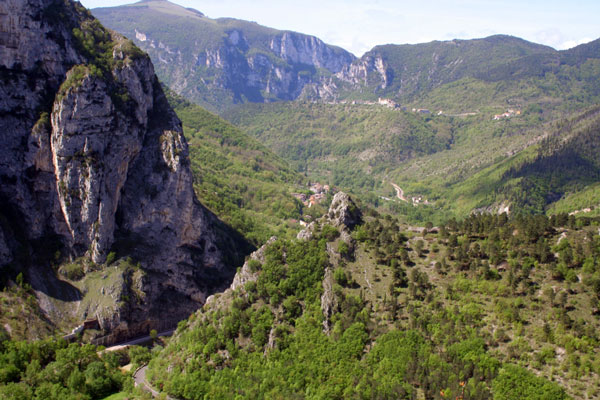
(319, 194)
(389, 103)
(509, 113)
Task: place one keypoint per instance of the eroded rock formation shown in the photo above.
(94, 161)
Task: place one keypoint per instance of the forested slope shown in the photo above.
(490, 307)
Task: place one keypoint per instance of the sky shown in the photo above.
(358, 26)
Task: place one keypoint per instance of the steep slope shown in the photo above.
(237, 178)
(219, 62)
(361, 306)
(553, 169)
(568, 161)
(408, 73)
(96, 166)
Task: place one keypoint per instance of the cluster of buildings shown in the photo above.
(419, 200)
(319, 193)
(507, 114)
(389, 103)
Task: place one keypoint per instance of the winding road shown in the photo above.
(137, 341)
(399, 192)
(139, 378)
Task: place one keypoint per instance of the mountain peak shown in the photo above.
(167, 7)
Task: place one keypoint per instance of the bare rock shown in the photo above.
(95, 161)
(245, 274)
(329, 302)
(343, 212)
(307, 233)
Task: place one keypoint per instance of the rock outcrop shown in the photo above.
(244, 275)
(220, 62)
(343, 212)
(95, 161)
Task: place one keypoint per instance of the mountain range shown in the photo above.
(220, 62)
(420, 222)
(435, 102)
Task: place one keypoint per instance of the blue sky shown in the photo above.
(358, 26)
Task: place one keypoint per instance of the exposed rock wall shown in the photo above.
(220, 62)
(95, 161)
(278, 74)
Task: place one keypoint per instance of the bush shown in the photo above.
(254, 265)
(110, 258)
(514, 382)
(72, 271)
(344, 249)
(329, 232)
(340, 277)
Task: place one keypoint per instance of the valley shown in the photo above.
(258, 214)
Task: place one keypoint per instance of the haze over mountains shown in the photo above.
(220, 62)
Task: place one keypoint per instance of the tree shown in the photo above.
(419, 244)
(550, 295)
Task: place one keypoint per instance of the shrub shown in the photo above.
(340, 277)
(254, 265)
(111, 258)
(72, 271)
(329, 232)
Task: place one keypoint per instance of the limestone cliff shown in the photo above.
(95, 161)
(219, 62)
(403, 72)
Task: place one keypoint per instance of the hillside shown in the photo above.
(98, 217)
(501, 70)
(365, 148)
(362, 306)
(220, 62)
(347, 145)
(568, 161)
(457, 162)
(555, 161)
(365, 307)
(237, 178)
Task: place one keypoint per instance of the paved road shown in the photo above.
(139, 378)
(140, 340)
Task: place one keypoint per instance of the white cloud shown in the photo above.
(572, 43)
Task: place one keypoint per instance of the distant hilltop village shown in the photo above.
(319, 194)
(389, 103)
(507, 114)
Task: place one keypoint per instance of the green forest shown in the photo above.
(420, 223)
(238, 179)
(487, 307)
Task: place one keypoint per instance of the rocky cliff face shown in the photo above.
(404, 71)
(343, 214)
(95, 161)
(220, 62)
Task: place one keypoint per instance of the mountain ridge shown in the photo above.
(98, 174)
(219, 62)
(235, 61)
